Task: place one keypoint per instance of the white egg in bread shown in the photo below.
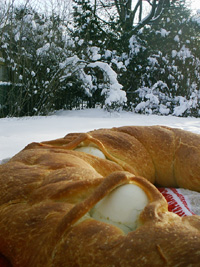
(92, 151)
(121, 207)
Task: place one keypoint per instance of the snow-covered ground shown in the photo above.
(16, 133)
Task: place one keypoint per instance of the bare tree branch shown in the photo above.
(131, 15)
(155, 13)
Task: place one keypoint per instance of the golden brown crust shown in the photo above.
(159, 143)
(165, 156)
(48, 190)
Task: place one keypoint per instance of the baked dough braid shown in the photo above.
(58, 203)
(165, 156)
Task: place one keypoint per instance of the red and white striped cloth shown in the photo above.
(177, 202)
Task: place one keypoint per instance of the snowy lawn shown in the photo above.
(16, 133)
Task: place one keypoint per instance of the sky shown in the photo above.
(195, 4)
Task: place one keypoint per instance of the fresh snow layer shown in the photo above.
(16, 133)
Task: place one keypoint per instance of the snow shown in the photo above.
(163, 32)
(70, 61)
(153, 61)
(16, 133)
(114, 93)
(164, 110)
(177, 39)
(182, 108)
(174, 53)
(40, 51)
(134, 46)
(196, 17)
(94, 51)
(184, 53)
(5, 83)
(108, 54)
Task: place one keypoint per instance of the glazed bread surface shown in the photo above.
(51, 192)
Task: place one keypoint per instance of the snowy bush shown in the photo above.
(169, 79)
(185, 107)
(100, 56)
(32, 46)
(153, 100)
(114, 96)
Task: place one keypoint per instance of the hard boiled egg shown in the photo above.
(91, 150)
(121, 207)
